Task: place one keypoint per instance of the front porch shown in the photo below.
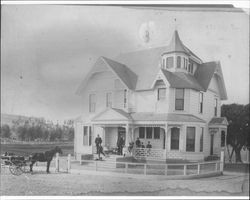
(172, 136)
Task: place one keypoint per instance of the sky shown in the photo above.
(46, 50)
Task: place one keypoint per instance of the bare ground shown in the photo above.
(89, 183)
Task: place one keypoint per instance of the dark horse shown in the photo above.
(47, 156)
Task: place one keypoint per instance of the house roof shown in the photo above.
(182, 80)
(137, 70)
(113, 114)
(128, 77)
(146, 116)
(218, 121)
(176, 45)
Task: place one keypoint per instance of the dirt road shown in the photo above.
(63, 184)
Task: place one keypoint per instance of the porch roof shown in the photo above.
(218, 121)
(145, 116)
(114, 114)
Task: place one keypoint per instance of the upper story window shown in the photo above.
(109, 100)
(161, 94)
(92, 102)
(178, 62)
(190, 139)
(170, 62)
(215, 107)
(125, 98)
(179, 99)
(200, 102)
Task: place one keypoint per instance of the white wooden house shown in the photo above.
(165, 95)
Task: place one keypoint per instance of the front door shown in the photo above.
(212, 144)
(121, 133)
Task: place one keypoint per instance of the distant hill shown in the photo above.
(9, 118)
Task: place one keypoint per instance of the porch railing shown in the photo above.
(149, 153)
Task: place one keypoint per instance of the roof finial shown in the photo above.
(175, 24)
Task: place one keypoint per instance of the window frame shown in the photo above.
(168, 59)
(85, 136)
(157, 128)
(125, 100)
(176, 99)
(141, 132)
(188, 139)
(201, 139)
(159, 98)
(177, 142)
(223, 144)
(149, 134)
(178, 62)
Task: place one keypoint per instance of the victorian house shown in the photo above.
(166, 95)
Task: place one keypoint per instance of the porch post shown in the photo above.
(103, 133)
(127, 136)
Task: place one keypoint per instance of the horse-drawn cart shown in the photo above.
(16, 164)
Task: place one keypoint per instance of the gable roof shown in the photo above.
(127, 77)
(182, 80)
(205, 73)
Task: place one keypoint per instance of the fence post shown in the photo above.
(185, 170)
(199, 168)
(57, 162)
(221, 161)
(80, 159)
(126, 168)
(69, 163)
(145, 169)
(166, 170)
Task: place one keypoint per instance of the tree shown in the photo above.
(238, 128)
(5, 131)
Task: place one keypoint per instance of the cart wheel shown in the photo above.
(16, 169)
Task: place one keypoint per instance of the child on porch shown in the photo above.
(100, 151)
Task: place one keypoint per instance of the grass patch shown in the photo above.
(27, 149)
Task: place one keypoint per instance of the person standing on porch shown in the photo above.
(98, 142)
(100, 151)
(120, 144)
(138, 143)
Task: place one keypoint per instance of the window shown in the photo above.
(178, 62)
(141, 132)
(223, 138)
(190, 140)
(161, 94)
(191, 67)
(90, 136)
(149, 131)
(200, 102)
(85, 135)
(109, 100)
(179, 99)
(125, 98)
(215, 107)
(170, 62)
(92, 103)
(175, 134)
(201, 139)
(156, 132)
